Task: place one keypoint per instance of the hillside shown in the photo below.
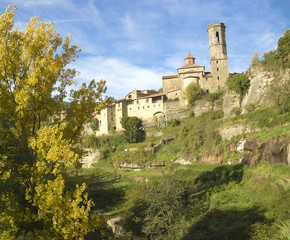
(220, 173)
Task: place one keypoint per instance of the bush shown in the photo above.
(134, 131)
(192, 92)
(236, 111)
(239, 83)
(251, 107)
(175, 122)
(94, 124)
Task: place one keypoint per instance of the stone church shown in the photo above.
(152, 106)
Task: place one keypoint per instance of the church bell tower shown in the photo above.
(218, 53)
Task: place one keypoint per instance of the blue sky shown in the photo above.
(133, 43)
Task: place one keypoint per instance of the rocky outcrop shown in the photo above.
(92, 156)
(235, 130)
(162, 142)
(257, 93)
(231, 101)
(274, 151)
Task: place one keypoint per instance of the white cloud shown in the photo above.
(121, 76)
(267, 41)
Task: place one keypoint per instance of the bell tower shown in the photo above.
(218, 53)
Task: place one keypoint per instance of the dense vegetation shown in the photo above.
(277, 60)
(39, 136)
(44, 195)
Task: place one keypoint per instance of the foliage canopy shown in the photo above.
(239, 83)
(35, 199)
(192, 92)
(134, 131)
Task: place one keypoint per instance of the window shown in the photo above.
(218, 78)
(189, 62)
(138, 107)
(148, 106)
(217, 69)
(217, 61)
(219, 87)
(217, 37)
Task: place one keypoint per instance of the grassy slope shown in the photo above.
(251, 208)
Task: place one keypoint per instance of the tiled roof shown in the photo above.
(189, 56)
(169, 76)
(158, 94)
(190, 66)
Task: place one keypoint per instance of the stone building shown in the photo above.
(153, 107)
(175, 85)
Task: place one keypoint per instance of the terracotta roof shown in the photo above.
(189, 56)
(190, 66)
(158, 94)
(169, 76)
(174, 90)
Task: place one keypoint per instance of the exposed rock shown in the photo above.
(241, 146)
(258, 88)
(162, 142)
(274, 151)
(182, 161)
(203, 105)
(231, 101)
(231, 131)
(114, 224)
(92, 156)
(211, 159)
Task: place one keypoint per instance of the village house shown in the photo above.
(152, 106)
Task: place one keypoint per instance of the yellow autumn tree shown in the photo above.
(39, 135)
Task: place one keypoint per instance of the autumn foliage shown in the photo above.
(39, 136)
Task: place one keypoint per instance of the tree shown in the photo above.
(239, 83)
(192, 92)
(159, 208)
(279, 93)
(35, 200)
(94, 124)
(134, 131)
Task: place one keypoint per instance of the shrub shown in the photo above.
(134, 131)
(175, 122)
(94, 124)
(192, 92)
(251, 107)
(236, 111)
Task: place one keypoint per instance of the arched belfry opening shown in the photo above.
(217, 37)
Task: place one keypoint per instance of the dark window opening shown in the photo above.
(219, 87)
(218, 78)
(217, 69)
(207, 91)
(217, 61)
(217, 37)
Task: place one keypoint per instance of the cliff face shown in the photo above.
(260, 80)
(257, 93)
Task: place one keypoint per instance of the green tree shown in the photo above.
(278, 59)
(134, 131)
(159, 208)
(94, 124)
(239, 83)
(35, 200)
(279, 93)
(192, 92)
